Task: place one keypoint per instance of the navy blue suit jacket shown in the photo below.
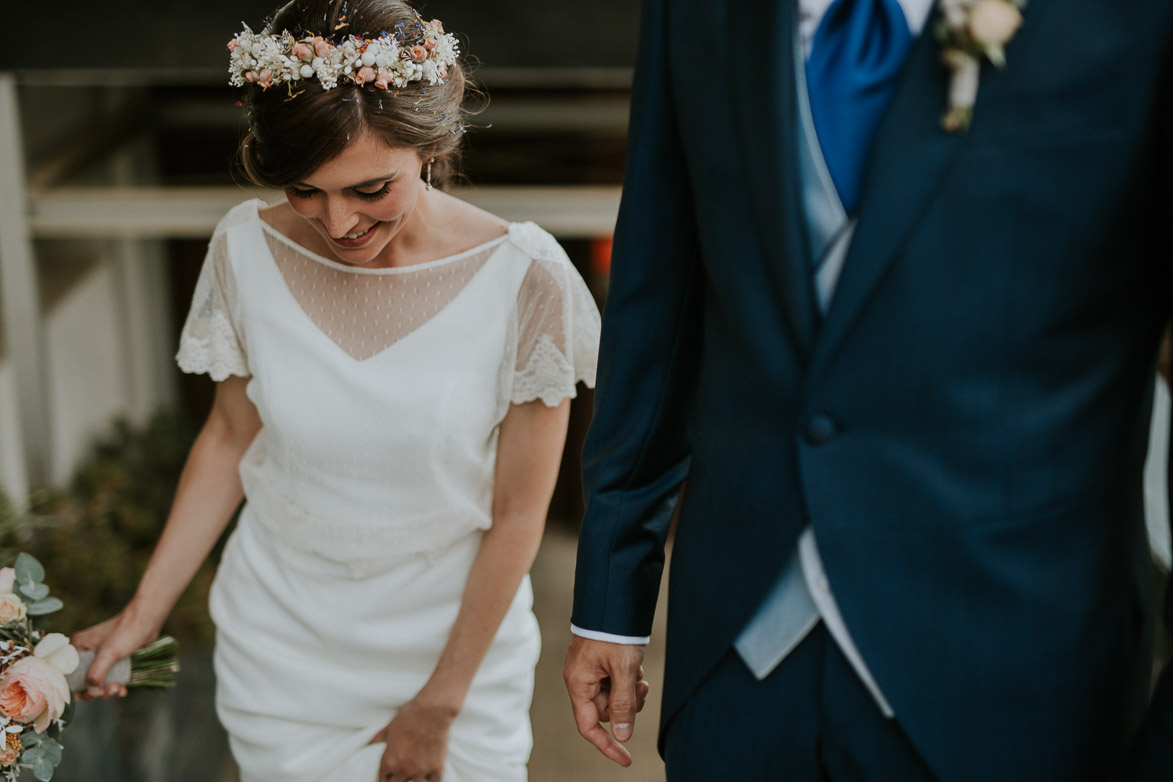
(966, 427)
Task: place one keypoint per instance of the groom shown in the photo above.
(899, 376)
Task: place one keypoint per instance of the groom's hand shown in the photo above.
(605, 683)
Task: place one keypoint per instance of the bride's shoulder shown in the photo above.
(243, 213)
(537, 243)
(281, 218)
(474, 227)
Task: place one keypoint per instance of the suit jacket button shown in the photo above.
(820, 429)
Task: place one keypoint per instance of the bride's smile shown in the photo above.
(357, 216)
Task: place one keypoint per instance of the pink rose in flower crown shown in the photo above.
(302, 51)
(364, 74)
(383, 80)
(418, 53)
(321, 47)
(33, 690)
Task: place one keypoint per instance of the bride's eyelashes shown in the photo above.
(374, 195)
(371, 195)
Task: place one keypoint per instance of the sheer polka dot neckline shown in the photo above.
(365, 314)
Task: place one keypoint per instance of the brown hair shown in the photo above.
(291, 137)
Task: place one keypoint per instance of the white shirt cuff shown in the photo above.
(595, 635)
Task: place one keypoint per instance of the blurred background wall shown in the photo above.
(121, 141)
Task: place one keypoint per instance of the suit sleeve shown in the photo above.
(637, 451)
(1152, 755)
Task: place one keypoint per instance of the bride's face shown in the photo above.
(361, 199)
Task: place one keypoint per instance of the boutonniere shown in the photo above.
(970, 30)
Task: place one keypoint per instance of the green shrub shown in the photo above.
(106, 524)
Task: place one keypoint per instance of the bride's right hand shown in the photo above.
(116, 638)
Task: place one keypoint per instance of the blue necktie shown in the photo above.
(857, 52)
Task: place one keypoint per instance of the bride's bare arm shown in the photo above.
(528, 454)
(208, 493)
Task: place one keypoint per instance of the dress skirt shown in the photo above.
(313, 659)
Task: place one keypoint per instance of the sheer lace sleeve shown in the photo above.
(211, 342)
(557, 323)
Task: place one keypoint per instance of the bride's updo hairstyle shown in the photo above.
(297, 123)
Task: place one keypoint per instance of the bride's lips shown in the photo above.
(357, 241)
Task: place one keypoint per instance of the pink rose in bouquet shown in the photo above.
(33, 691)
(35, 699)
(12, 608)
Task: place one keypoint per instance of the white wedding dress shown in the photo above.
(370, 485)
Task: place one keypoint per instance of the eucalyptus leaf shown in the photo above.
(46, 606)
(32, 592)
(33, 754)
(29, 569)
(43, 769)
(53, 750)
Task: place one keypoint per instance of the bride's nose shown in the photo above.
(339, 217)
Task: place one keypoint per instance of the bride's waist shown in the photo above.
(347, 530)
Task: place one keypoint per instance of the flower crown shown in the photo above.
(390, 60)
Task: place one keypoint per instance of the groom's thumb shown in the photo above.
(623, 703)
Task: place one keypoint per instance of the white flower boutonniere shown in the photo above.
(968, 31)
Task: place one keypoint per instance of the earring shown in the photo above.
(430, 162)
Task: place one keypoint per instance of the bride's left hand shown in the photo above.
(417, 743)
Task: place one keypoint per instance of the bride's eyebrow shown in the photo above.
(376, 181)
(368, 183)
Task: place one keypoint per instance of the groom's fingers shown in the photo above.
(588, 701)
(624, 701)
(586, 717)
(602, 706)
(601, 681)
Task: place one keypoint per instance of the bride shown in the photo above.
(393, 372)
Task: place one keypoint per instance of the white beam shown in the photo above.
(572, 212)
(20, 303)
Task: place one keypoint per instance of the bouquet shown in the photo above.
(35, 702)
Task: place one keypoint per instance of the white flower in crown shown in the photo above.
(968, 31)
(384, 62)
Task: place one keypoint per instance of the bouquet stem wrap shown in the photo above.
(154, 665)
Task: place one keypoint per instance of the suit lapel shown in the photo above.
(910, 160)
(766, 111)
